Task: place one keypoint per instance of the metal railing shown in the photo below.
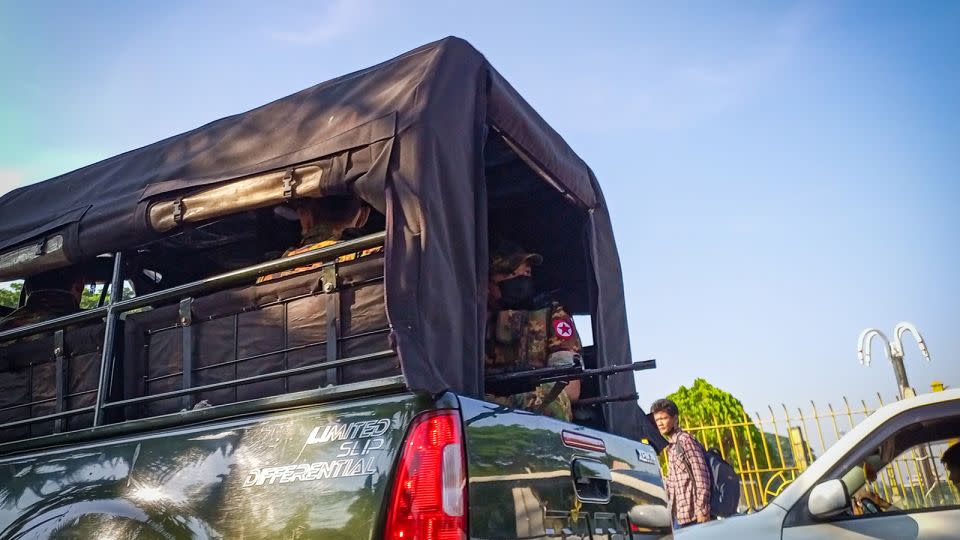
(116, 307)
(769, 452)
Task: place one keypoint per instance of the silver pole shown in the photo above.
(894, 349)
(106, 361)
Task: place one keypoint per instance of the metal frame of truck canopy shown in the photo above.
(408, 136)
(115, 309)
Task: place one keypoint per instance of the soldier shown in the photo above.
(52, 294)
(325, 222)
(526, 331)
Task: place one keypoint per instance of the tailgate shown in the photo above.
(531, 476)
(323, 471)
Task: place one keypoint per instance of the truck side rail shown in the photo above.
(113, 311)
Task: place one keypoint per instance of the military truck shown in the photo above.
(345, 401)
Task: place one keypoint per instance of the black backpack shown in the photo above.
(725, 491)
(724, 482)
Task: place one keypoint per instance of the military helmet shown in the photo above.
(507, 256)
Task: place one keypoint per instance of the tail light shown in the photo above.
(429, 499)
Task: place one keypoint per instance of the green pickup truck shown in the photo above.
(347, 399)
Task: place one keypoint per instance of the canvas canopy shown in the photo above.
(408, 137)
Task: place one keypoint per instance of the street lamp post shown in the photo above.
(894, 350)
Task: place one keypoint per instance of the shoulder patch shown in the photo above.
(563, 328)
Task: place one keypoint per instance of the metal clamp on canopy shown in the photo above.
(328, 277)
(178, 210)
(289, 183)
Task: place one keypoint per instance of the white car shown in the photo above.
(819, 503)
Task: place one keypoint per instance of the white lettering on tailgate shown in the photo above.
(354, 430)
(305, 472)
(359, 439)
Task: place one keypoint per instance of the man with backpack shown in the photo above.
(689, 483)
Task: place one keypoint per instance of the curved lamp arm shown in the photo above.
(900, 329)
(863, 345)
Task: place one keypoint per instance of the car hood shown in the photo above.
(762, 525)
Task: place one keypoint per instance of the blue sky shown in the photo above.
(781, 175)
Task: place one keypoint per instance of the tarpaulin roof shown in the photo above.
(408, 136)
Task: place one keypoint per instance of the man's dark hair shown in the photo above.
(666, 406)
(951, 456)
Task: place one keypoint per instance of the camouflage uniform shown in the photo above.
(519, 340)
(297, 251)
(560, 408)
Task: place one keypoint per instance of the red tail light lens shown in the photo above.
(429, 499)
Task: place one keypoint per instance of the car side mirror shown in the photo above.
(650, 516)
(828, 499)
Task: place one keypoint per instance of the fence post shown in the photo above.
(799, 447)
(816, 416)
(747, 424)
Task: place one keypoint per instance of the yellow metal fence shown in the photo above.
(770, 450)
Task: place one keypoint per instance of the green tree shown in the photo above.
(91, 296)
(718, 420)
(731, 429)
(10, 295)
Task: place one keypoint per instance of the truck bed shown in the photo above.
(329, 470)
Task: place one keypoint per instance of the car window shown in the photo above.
(915, 479)
(884, 464)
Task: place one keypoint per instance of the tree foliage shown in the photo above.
(10, 295)
(732, 431)
(718, 420)
(705, 404)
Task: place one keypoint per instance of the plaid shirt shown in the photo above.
(688, 479)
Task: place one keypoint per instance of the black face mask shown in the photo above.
(516, 292)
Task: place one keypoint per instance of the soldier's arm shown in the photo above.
(563, 345)
(563, 332)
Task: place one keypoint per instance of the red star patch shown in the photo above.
(563, 328)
